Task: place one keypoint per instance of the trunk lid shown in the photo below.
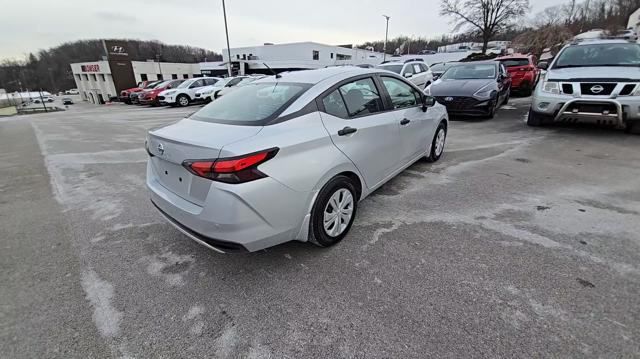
(190, 140)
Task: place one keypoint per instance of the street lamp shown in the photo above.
(226, 30)
(386, 35)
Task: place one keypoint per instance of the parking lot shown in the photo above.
(519, 242)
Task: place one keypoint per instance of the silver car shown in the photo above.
(289, 157)
(595, 81)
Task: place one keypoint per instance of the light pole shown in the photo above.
(226, 30)
(386, 35)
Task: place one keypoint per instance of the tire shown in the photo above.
(183, 100)
(493, 109)
(633, 127)
(339, 187)
(437, 145)
(534, 120)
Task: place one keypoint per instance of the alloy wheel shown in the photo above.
(338, 212)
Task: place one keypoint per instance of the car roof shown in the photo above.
(484, 62)
(316, 76)
(599, 42)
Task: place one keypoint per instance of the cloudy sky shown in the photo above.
(29, 25)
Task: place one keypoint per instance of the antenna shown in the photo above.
(277, 75)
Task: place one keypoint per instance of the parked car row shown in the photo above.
(182, 92)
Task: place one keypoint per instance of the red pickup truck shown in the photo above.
(124, 94)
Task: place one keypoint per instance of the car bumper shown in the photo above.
(234, 218)
(592, 109)
(466, 106)
(152, 101)
(166, 100)
(519, 83)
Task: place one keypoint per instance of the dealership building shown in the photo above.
(101, 81)
(289, 57)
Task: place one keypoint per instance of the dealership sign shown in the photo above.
(90, 68)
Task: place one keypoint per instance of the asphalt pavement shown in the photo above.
(520, 242)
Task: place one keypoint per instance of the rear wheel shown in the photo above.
(182, 100)
(334, 212)
(437, 145)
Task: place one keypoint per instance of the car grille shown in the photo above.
(457, 103)
(160, 98)
(591, 88)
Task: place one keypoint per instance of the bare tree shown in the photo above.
(488, 17)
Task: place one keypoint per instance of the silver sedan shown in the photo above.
(289, 157)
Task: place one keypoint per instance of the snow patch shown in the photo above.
(99, 293)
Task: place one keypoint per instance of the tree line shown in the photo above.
(486, 20)
(49, 69)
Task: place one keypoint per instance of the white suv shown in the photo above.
(208, 93)
(416, 71)
(185, 94)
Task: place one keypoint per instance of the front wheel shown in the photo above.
(437, 145)
(492, 109)
(334, 212)
(182, 100)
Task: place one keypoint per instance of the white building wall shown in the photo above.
(301, 55)
(168, 70)
(634, 21)
(94, 79)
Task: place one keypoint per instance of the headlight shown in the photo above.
(484, 92)
(169, 93)
(637, 91)
(550, 87)
(427, 90)
(206, 93)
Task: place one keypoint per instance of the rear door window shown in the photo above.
(334, 105)
(361, 97)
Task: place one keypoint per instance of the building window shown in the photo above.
(185, 76)
(238, 57)
(143, 77)
(102, 78)
(343, 57)
(79, 77)
(316, 55)
(160, 77)
(86, 77)
(174, 76)
(93, 77)
(332, 55)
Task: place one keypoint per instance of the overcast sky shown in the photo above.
(29, 25)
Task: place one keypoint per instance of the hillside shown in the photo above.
(49, 69)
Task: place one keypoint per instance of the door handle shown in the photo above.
(405, 122)
(347, 131)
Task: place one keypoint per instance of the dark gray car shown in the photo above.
(472, 89)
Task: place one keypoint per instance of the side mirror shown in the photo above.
(543, 65)
(408, 75)
(428, 101)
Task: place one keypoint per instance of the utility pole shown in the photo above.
(226, 30)
(386, 35)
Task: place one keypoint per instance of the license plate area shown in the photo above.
(173, 177)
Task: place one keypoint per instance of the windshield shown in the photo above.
(251, 104)
(470, 71)
(150, 85)
(159, 84)
(515, 62)
(619, 54)
(186, 84)
(392, 68)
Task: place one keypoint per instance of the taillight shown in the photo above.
(232, 170)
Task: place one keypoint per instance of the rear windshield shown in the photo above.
(392, 68)
(617, 54)
(251, 105)
(515, 62)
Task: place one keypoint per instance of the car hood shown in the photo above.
(458, 87)
(594, 73)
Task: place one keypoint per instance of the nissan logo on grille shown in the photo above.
(596, 89)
